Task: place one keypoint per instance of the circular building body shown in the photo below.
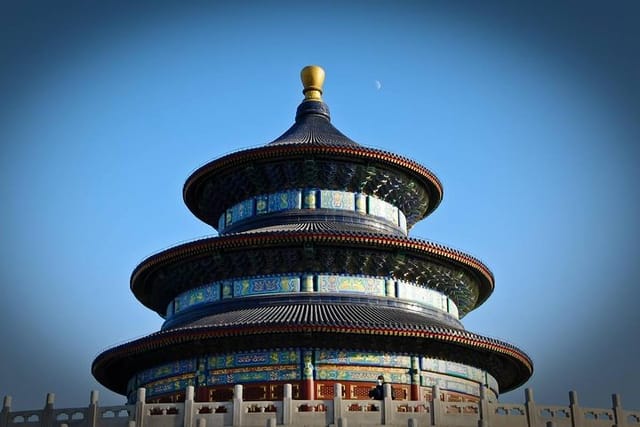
(312, 281)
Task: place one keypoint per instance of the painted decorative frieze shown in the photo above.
(167, 370)
(352, 284)
(424, 295)
(361, 373)
(254, 358)
(312, 199)
(265, 285)
(337, 200)
(335, 357)
(201, 295)
(254, 374)
(447, 383)
(251, 286)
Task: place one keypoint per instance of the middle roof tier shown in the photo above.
(312, 252)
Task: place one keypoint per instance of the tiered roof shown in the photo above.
(312, 156)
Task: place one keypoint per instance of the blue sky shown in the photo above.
(528, 114)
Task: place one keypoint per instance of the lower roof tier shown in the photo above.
(312, 374)
(115, 367)
(159, 279)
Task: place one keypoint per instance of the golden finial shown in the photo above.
(312, 79)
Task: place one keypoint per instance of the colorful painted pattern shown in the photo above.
(285, 200)
(170, 385)
(361, 373)
(250, 286)
(334, 357)
(311, 199)
(265, 285)
(262, 204)
(425, 296)
(322, 364)
(352, 284)
(201, 295)
(254, 358)
(254, 374)
(452, 368)
(167, 370)
(448, 383)
(382, 209)
(459, 370)
(337, 200)
(243, 210)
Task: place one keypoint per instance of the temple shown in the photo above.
(313, 307)
(312, 281)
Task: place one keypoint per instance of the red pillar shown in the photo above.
(415, 379)
(308, 387)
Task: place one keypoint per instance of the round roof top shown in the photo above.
(296, 160)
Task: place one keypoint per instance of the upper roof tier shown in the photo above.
(312, 154)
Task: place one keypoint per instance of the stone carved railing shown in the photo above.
(337, 412)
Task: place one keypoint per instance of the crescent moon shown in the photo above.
(378, 85)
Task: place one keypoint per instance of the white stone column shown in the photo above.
(6, 411)
(188, 406)
(618, 412)
(47, 414)
(485, 414)
(338, 416)
(437, 409)
(237, 405)
(287, 405)
(141, 401)
(574, 407)
(387, 403)
(92, 419)
(532, 410)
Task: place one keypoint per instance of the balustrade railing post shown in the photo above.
(6, 411)
(387, 404)
(287, 405)
(47, 413)
(618, 412)
(237, 405)
(436, 407)
(484, 413)
(92, 418)
(188, 406)
(141, 401)
(574, 407)
(532, 410)
(338, 415)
